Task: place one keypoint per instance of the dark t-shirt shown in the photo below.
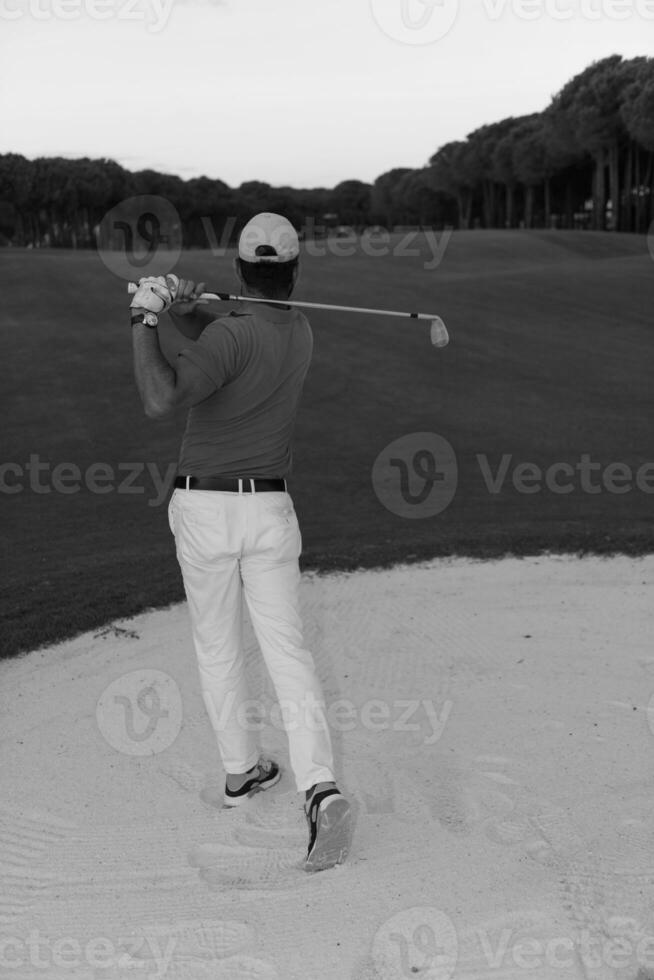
(258, 359)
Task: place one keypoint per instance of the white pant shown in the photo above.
(230, 544)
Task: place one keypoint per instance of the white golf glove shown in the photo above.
(155, 293)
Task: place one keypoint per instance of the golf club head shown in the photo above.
(438, 333)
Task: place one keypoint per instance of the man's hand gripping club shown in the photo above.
(158, 294)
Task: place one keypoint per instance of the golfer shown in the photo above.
(235, 528)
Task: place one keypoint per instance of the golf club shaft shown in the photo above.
(230, 298)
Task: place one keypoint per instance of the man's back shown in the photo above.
(259, 358)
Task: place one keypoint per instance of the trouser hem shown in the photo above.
(320, 776)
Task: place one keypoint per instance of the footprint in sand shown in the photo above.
(606, 882)
(488, 796)
(214, 949)
(259, 845)
(204, 939)
(240, 866)
(557, 837)
(209, 949)
(281, 823)
(459, 800)
(240, 967)
(639, 832)
(614, 910)
(463, 801)
(376, 790)
(558, 830)
(295, 839)
(210, 789)
(467, 801)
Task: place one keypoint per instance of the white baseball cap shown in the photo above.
(268, 238)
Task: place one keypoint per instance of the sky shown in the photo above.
(292, 92)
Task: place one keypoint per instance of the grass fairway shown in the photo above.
(551, 358)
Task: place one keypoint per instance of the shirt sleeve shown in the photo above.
(218, 353)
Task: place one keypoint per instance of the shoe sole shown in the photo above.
(333, 837)
(230, 803)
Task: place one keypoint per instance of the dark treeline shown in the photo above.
(587, 160)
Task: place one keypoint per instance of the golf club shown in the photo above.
(438, 331)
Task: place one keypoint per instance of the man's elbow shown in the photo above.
(158, 409)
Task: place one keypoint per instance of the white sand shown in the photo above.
(519, 808)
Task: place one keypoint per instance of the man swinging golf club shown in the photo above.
(235, 527)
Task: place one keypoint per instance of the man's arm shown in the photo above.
(192, 324)
(162, 389)
(175, 330)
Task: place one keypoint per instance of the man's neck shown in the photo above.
(268, 300)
